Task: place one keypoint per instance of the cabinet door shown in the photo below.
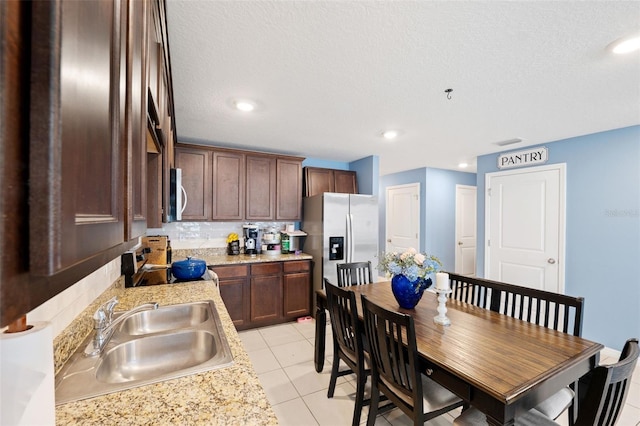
(135, 124)
(266, 298)
(76, 167)
(154, 190)
(297, 294)
(289, 189)
(234, 290)
(261, 188)
(228, 186)
(345, 181)
(318, 181)
(235, 297)
(196, 181)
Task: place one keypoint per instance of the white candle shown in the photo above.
(442, 281)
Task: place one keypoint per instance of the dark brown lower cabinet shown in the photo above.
(234, 290)
(267, 293)
(296, 288)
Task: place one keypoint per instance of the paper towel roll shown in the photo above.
(26, 368)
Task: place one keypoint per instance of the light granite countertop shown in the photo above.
(227, 396)
(214, 257)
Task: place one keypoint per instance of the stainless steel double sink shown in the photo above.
(148, 347)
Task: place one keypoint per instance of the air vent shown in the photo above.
(509, 142)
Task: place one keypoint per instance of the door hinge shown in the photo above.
(488, 243)
(489, 192)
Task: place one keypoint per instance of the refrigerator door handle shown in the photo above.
(350, 244)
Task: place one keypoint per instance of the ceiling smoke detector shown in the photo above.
(509, 142)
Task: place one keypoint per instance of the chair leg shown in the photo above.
(357, 410)
(334, 374)
(373, 407)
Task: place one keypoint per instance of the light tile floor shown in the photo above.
(282, 356)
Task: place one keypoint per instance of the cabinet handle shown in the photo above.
(184, 205)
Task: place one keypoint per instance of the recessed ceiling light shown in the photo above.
(390, 134)
(463, 165)
(245, 106)
(626, 45)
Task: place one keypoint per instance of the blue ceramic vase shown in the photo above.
(408, 293)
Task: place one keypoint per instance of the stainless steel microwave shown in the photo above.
(178, 196)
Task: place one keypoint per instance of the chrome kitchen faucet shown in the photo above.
(104, 325)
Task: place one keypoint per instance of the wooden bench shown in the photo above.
(552, 310)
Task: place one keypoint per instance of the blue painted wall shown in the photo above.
(367, 172)
(326, 164)
(437, 211)
(602, 228)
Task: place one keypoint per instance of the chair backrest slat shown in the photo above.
(552, 310)
(354, 273)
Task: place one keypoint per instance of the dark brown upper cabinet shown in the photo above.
(320, 180)
(289, 189)
(196, 181)
(261, 187)
(135, 125)
(76, 103)
(228, 184)
(77, 163)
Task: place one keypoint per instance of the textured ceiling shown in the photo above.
(330, 76)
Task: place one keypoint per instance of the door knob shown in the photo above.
(551, 260)
(388, 240)
(459, 243)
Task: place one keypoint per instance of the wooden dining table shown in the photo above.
(500, 365)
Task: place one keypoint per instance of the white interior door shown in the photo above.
(525, 227)
(466, 229)
(403, 217)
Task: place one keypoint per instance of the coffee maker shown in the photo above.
(250, 239)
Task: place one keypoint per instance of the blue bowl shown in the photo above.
(188, 269)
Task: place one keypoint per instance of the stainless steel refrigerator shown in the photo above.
(340, 228)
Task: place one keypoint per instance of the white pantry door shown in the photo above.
(403, 217)
(466, 202)
(525, 227)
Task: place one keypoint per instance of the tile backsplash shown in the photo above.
(62, 309)
(189, 235)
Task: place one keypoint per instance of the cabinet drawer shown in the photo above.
(231, 271)
(297, 266)
(266, 268)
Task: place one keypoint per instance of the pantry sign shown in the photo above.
(529, 157)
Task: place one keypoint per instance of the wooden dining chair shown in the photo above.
(355, 273)
(395, 370)
(348, 344)
(605, 391)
